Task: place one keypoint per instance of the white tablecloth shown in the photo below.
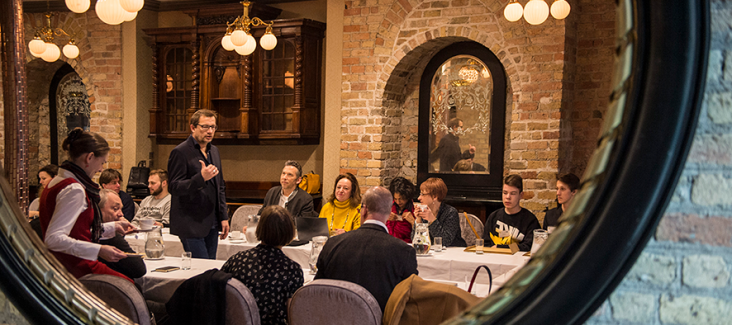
(226, 249)
(452, 264)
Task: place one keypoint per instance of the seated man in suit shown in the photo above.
(111, 179)
(288, 195)
(157, 205)
(110, 205)
(369, 256)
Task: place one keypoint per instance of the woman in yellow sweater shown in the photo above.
(343, 209)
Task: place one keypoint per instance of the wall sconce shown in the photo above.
(239, 38)
(42, 45)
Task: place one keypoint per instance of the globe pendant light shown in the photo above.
(129, 16)
(536, 12)
(70, 50)
(248, 47)
(78, 6)
(226, 42)
(52, 53)
(242, 41)
(238, 37)
(132, 5)
(560, 9)
(37, 47)
(268, 41)
(110, 12)
(513, 11)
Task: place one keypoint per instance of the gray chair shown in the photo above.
(241, 307)
(119, 294)
(333, 302)
(467, 232)
(239, 219)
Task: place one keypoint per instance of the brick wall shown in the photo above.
(99, 65)
(386, 47)
(683, 275)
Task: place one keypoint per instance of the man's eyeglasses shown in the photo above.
(209, 127)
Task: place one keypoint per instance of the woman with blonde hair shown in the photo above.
(343, 209)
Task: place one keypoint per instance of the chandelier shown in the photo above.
(111, 12)
(239, 38)
(536, 11)
(42, 45)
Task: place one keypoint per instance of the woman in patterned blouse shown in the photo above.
(270, 275)
(444, 220)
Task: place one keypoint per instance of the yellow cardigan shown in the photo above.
(341, 215)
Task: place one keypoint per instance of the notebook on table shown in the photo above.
(307, 228)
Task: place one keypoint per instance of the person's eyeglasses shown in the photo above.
(209, 127)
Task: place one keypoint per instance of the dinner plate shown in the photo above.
(237, 241)
(155, 259)
(425, 255)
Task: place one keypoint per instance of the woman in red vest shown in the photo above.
(70, 218)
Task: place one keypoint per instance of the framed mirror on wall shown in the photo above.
(462, 105)
(661, 59)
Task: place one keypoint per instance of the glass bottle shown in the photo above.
(421, 240)
(317, 245)
(251, 234)
(154, 246)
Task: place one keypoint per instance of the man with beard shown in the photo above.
(157, 205)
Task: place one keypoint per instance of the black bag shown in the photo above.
(137, 183)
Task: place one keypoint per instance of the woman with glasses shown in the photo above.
(443, 219)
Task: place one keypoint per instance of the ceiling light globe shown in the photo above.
(37, 47)
(238, 38)
(110, 12)
(226, 43)
(513, 11)
(268, 41)
(249, 47)
(52, 53)
(560, 9)
(71, 51)
(78, 6)
(536, 12)
(132, 5)
(129, 16)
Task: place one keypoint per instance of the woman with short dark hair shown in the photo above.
(270, 275)
(71, 221)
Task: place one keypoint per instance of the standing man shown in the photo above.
(198, 203)
(381, 260)
(288, 195)
(110, 179)
(157, 205)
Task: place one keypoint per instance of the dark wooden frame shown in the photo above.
(466, 187)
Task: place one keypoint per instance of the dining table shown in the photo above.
(158, 287)
(450, 264)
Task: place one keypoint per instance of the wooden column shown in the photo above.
(12, 37)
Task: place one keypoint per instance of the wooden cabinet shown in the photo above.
(268, 97)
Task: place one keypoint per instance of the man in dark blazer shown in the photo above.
(198, 200)
(369, 256)
(288, 195)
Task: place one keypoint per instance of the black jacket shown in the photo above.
(133, 267)
(301, 204)
(369, 257)
(195, 206)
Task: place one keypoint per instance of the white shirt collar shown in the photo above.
(376, 222)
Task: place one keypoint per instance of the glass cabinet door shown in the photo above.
(178, 88)
(278, 87)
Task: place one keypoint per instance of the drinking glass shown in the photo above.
(437, 246)
(540, 236)
(185, 261)
(317, 245)
(479, 246)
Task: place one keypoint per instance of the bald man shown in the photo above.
(369, 256)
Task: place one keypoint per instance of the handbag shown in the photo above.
(137, 182)
(475, 274)
(310, 183)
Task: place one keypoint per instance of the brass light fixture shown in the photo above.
(239, 38)
(43, 45)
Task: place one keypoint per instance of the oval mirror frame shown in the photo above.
(660, 65)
